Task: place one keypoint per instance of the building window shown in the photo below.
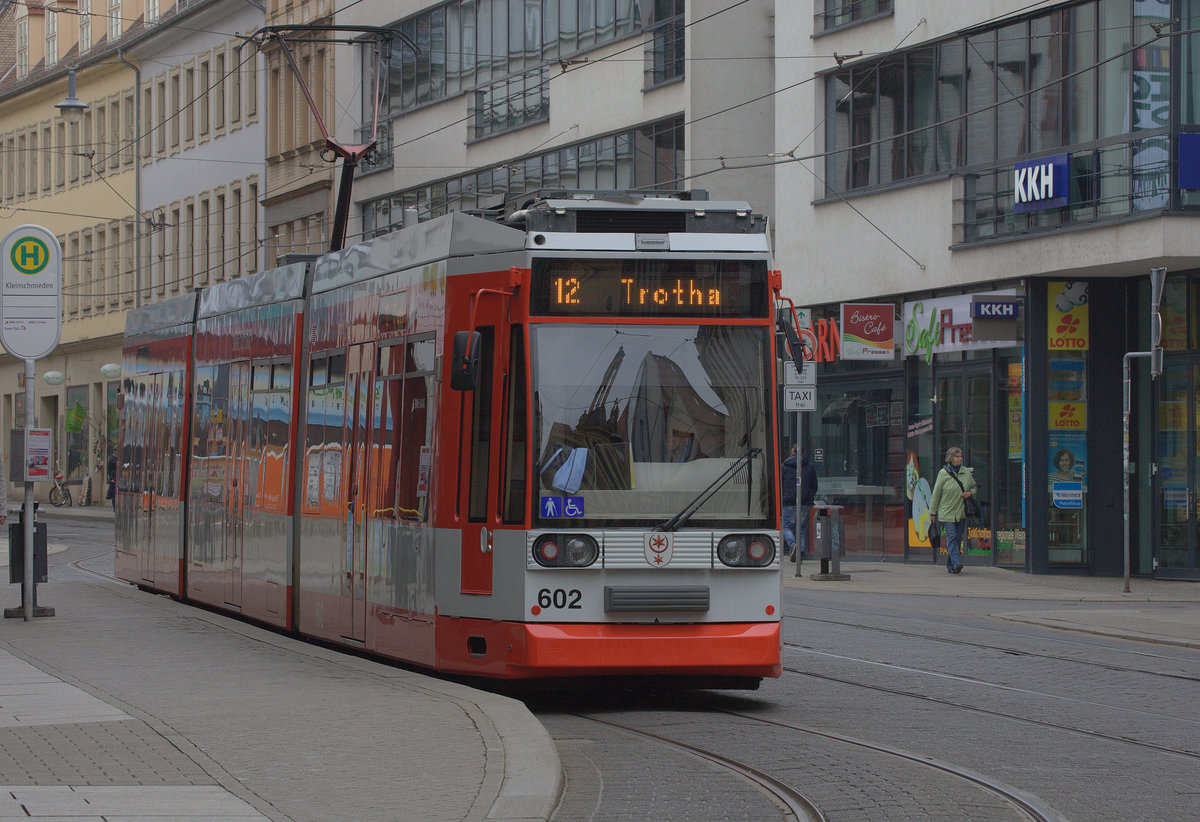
(466, 43)
(649, 157)
(664, 43)
(1091, 81)
(218, 109)
(152, 11)
(114, 20)
(51, 37)
(521, 100)
(235, 87)
(85, 25)
(834, 14)
(189, 105)
(173, 110)
(205, 81)
(22, 46)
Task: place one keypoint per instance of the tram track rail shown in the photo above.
(799, 805)
(1008, 649)
(959, 704)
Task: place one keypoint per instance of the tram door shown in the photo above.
(1178, 447)
(480, 472)
(238, 432)
(360, 378)
(149, 391)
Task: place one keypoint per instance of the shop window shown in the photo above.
(75, 426)
(1067, 417)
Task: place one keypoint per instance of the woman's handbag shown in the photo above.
(971, 509)
(935, 535)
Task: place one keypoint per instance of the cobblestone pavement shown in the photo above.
(133, 706)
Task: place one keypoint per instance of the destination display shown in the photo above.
(641, 288)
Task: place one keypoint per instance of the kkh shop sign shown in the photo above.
(868, 331)
(1040, 184)
(943, 324)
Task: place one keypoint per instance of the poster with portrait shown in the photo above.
(1068, 457)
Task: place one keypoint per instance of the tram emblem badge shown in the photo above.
(658, 547)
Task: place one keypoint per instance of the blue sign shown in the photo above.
(989, 308)
(573, 506)
(1189, 161)
(552, 506)
(1067, 495)
(1040, 184)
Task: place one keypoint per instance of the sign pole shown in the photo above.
(30, 328)
(30, 528)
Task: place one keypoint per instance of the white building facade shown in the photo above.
(502, 97)
(988, 186)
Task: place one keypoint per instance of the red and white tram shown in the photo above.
(539, 445)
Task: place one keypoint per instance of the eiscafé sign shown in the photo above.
(868, 331)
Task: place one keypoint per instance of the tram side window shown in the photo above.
(175, 435)
(385, 444)
(514, 446)
(481, 428)
(314, 434)
(414, 431)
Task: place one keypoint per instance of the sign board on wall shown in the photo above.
(943, 324)
(868, 331)
(1067, 316)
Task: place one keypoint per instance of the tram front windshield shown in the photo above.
(634, 422)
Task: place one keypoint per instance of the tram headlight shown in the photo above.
(565, 550)
(746, 550)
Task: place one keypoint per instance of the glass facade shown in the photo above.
(473, 43)
(1093, 80)
(645, 158)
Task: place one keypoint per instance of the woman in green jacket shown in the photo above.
(947, 505)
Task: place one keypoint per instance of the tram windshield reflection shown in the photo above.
(632, 421)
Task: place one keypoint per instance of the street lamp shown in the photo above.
(72, 107)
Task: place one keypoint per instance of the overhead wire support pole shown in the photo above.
(351, 153)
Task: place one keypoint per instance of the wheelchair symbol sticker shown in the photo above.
(573, 507)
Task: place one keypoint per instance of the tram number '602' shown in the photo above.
(560, 598)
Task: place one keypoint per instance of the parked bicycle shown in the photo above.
(59, 494)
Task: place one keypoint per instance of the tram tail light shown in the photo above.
(746, 550)
(565, 550)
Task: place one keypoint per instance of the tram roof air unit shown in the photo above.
(624, 212)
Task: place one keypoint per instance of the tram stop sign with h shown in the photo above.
(30, 292)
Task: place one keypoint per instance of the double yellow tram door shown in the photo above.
(360, 375)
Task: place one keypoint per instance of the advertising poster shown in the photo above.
(1067, 316)
(1067, 470)
(37, 455)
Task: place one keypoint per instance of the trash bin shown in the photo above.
(827, 528)
(16, 552)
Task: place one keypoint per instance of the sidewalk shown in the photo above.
(1160, 611)
(129, 706)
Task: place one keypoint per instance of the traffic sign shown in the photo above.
(799, 398)
(793, 376)
(30, 292)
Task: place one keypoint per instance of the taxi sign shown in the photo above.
(30, 292)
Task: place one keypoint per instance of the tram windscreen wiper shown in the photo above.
(676, 522)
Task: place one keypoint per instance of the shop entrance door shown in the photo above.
(963, 418)
(1178, 429)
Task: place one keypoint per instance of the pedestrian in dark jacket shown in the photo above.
(111, 492)
(787, 490)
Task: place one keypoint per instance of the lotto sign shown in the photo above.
(1067, 316)
(30, 292)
